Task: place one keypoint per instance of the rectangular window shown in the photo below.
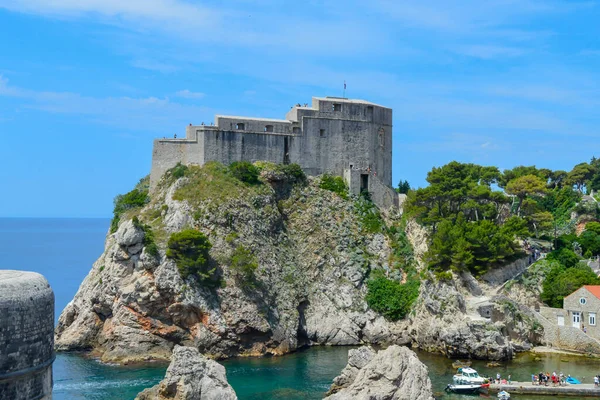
(337, 107)
(592, 319)
(296, 129)
(322, 132)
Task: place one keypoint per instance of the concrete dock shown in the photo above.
(581, 390)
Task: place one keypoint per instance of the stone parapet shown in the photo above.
(26, 336)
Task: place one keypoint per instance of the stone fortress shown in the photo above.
(338, 136)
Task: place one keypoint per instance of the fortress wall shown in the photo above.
(383, 195)
(343, 143)
(26, 336)
(253, 125)
(229, 146)
(166, 153)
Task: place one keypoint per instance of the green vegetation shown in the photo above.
(189, 249)
(334, 184)
(179, 170)
(243, 265)
(566, 275)
(149, 240)
(368, 215)
(215, 182)
(137, 198)
(291, 172)
(245, 172)
(462, 210)
(403, 187)
(391, 298)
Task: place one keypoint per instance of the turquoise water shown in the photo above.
(305, 375)
(63, 250)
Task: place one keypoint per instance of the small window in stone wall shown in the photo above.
(592, 319)
(240, 126)
(582, 301)
(337, 107)
(296, 129)
(381, 137)
(269, 128)
(322, 132)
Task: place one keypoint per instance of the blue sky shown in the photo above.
(85, 85)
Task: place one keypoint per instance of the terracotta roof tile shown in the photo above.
(593, 289)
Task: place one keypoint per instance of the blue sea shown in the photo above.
(63, 250)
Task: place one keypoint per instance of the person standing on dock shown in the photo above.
(596, 381)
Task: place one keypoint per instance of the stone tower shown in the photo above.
(26, 336)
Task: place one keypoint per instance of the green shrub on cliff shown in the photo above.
(334, 184)
(243, 265)
(391, 298)
(244, 171)
(149, 242)
(368, 215)
(189, 249)
(179, 170)
(124, 202)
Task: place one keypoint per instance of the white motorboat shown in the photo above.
(468, 376)
(467, 389)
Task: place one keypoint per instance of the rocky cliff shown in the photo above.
(191, 376)
(392, 374)
(311, 248)
(307, 254)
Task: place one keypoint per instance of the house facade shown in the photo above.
(582, 309)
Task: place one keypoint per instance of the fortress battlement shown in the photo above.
(344, 137)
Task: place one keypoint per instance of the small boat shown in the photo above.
(503, 395)
(463, 389)
(468, 376)
(461, 364)
(573, 381)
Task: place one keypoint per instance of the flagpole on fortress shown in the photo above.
(344, 95)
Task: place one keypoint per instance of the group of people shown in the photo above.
(545, 378)
(502, 381)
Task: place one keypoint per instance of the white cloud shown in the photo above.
(187, 94)
(151, 114)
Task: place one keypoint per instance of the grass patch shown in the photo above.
(214, 181)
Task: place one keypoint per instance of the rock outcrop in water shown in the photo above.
(392, 374)
(191, 376)
(313, 257)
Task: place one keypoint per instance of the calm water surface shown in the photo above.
(63, 250)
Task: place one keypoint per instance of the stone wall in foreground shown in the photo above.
(26, 336)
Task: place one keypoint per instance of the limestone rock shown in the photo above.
(392, 374)
(129, 235)
(191, 376)
(313, 260)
